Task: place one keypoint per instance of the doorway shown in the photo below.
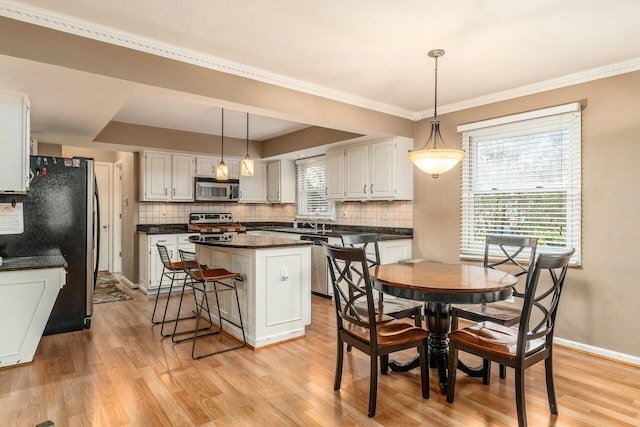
(104, 179)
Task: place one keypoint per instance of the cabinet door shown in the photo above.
(357, 172)
(157, 176)
(234, 168)
(335, 174)
(182, 178)
(14, 134)
(206, 166)
(253, 189)
(382, 169)
(273, 182)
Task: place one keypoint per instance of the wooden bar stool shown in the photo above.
(206, 281)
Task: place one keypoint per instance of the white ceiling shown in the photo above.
(371, 53)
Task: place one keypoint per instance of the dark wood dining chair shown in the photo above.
(373, 333)
(501, 251)
(396, 308)
(522, 346)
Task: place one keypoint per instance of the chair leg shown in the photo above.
(373, 385)
(424, 369)
(520, 399)
(454, 323)
(384, 364)
(451, 380)
(153, 315)
(339, 358)
(486, 372)
(551, 394)
(503, 372)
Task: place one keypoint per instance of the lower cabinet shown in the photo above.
(150, 263)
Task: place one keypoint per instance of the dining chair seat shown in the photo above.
(493, 337)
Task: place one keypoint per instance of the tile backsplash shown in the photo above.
(379, 214)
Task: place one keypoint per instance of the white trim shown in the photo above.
(91, 30)
(598, 351)
(45, 18)
(545, 112)
(585, 76)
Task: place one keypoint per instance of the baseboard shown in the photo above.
(129, 283)
(598, 351)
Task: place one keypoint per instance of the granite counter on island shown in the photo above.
(275, 295)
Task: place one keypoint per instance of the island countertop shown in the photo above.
(247, 241)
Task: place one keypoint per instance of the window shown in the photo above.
(522, 175)
(312, 187)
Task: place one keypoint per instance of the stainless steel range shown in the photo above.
(214, 226)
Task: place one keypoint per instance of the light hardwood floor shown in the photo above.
(121, 373)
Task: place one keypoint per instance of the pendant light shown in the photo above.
(222, 171)
(246, 167)
(431, 158)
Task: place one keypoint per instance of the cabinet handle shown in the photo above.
(165, 191)
(326, 191)
(364, 189)
(278, 194)
(371, 189)
(174, 191)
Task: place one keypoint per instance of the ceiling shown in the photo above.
(370, 53)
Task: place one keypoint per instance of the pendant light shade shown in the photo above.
(246, 167)
(222, 171)
(435, 157)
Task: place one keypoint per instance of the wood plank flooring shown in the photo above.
(121, 373)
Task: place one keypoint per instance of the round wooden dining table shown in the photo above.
(439, 285)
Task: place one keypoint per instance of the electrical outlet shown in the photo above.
(284, 273)
(345, 215)
(385, 216)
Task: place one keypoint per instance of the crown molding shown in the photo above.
(82, 28)
(45, 18)
(557, 83)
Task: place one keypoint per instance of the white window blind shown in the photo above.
(523, 178)
(311, 187)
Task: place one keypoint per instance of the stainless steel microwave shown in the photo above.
(213, 190)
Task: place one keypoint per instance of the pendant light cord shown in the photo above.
(222, 139)
(435, 100)
(247, 134)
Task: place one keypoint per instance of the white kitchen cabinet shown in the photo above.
(166, 177)
(281, 184)
(182, 178)
(15, 137)
(377, 170)
(253, 189)
(206, 166)
(335, 174)
(26, 300)
(150, 264)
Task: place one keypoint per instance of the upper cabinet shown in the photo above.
(166, 177)
(15, 137)
(206, 167)
(253, 189)
(281, 184)
(377, 170)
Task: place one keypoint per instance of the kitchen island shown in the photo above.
(275, 296)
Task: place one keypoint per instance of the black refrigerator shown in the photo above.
(60, 211)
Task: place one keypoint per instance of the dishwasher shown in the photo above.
(319, 267)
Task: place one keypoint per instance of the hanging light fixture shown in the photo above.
(431, 158)
(246, 167)
(222, 171)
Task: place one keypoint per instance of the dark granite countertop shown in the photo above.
(33, 263)
(247, 241)
(162, 228)
(384, 233)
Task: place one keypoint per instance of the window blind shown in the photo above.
(523, 178)
(311, 188)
